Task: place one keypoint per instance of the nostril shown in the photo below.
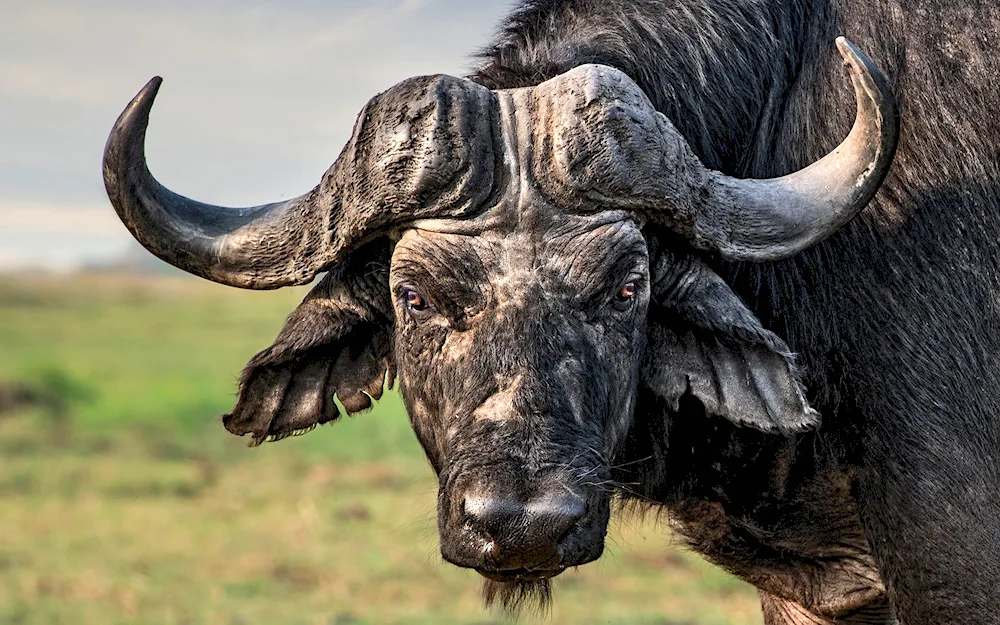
(558, 515)
(493, 516)
(472, 508)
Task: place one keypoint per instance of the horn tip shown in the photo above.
(129, 130)
(867, 76)
(152, 87)
(148, 93)
(851, 53)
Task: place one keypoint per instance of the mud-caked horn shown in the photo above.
(599, 142)
(422, 149)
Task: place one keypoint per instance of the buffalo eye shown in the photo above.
(626, 295)
(414, 301)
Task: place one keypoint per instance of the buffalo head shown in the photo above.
(527, 260)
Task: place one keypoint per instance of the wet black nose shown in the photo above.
(523, 534)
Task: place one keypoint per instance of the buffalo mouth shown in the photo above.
(521, 574)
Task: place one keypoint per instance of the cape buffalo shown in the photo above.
(592, 261)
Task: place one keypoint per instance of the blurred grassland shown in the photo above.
(123, 500)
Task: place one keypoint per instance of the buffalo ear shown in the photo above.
(338, 342)
(703, 341)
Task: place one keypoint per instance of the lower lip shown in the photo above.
(522, 575)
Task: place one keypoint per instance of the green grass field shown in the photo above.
(135, 506)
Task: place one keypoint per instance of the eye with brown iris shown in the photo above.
(414, 301)
(626, 295)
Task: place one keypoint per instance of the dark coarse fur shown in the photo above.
(894, 318)
(512, 598)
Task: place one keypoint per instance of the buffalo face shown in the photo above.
(528, 260)
(519, 365)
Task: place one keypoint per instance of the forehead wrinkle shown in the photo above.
(587, 260)
(515, 267)
(443, 256)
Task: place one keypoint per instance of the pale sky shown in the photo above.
(258, 98)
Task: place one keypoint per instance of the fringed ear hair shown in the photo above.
(337, 345)
(708, 344)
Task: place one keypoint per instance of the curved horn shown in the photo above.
(422, 149)
(260, 247)
(763, 220)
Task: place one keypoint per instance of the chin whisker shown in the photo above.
(515, 598)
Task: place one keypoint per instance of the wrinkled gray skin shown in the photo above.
(520, 377)
(539, 285)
